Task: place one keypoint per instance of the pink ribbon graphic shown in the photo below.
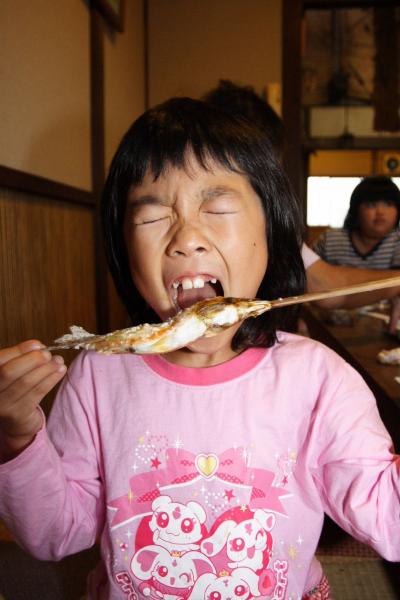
(183, 467)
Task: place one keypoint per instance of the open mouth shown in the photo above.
(186, 291)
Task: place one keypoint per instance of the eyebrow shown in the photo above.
(135, 202)
(145, 200)
(219, 190)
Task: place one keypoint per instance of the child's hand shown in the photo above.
(27, 374)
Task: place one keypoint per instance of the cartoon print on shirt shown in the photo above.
(240, 584)
(168, 575)
(177, 526)
(245, 535)
(200, 526)
(286, 464)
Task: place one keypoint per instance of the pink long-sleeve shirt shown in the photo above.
(206, 483)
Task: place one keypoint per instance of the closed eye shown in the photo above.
(149, 221)
(149, 215)
(146, 210)
(221, 212)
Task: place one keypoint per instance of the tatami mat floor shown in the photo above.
(355, 571)
(353, 578)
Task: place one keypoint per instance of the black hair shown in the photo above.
(371, 189)
(165, 136)
(243, 101)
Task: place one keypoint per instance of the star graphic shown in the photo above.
(131, 496)
(243, 508)
(229, 495)
(155, 463)
(178, 443)
(285, 480)
(292, 552)
(141, 439)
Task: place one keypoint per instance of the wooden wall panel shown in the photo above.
(47, 267)
(45, 89)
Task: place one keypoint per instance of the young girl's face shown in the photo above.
(377, 218)
(193, 234)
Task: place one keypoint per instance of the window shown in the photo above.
(328, 199)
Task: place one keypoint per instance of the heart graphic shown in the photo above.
(206, 464)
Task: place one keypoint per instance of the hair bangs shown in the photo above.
(165, 139)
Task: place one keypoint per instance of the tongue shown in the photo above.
(188, 297)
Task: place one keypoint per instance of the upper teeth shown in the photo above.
(188, 284)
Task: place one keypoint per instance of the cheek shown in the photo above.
(394, 217)
(259, 251)
(142, 255)
(365, 218)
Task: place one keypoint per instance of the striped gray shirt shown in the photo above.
(335, 247)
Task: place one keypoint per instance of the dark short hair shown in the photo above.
(243, 101)
(371, 189)
(162, 137)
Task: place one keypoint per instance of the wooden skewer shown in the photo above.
(342, 291)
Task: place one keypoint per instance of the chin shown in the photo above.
(217, 348)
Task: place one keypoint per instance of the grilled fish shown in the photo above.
(205, 318)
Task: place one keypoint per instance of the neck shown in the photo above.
(206, 351)
(188, 358)
(364, 243)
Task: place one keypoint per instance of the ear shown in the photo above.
(201, 563)
(199, 589)
(266, 519)
(143, 561)
(249, 577)
(214, 544)
(160, 502)
(198, 511)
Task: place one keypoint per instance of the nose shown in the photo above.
(187, 240)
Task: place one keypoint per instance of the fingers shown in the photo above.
(18, 414)
(27, 374)
(22, 368)
(30, 374)
(7, 354)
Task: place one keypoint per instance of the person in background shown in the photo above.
(243, 101)
(370, 236)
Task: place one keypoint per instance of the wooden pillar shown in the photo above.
(294, 160)
(386, 81)
(98, 160)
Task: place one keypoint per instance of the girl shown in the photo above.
(370, 237)
(206, 472)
